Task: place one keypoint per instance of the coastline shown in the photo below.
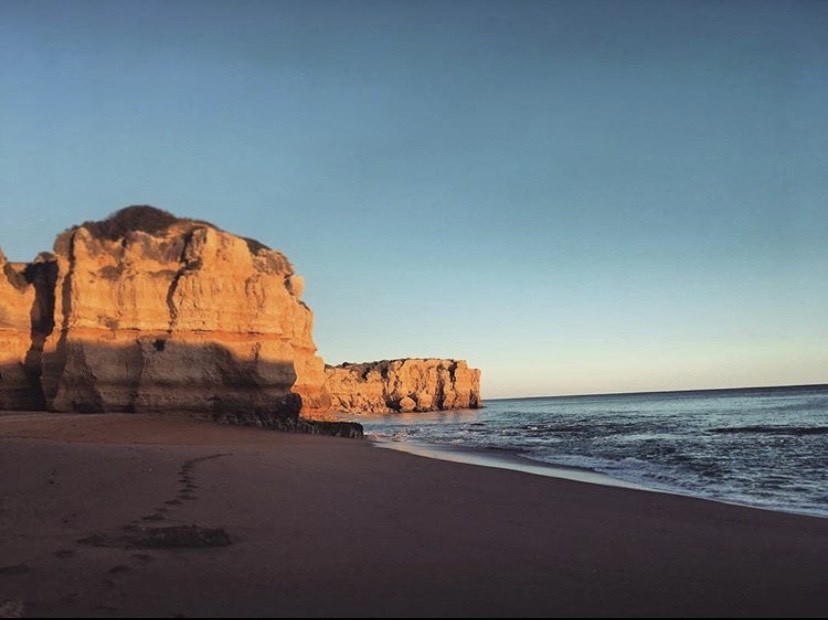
(756, 447)
(324, 526)
(504, 459)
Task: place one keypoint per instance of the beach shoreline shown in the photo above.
(323, 526)
(505, 459)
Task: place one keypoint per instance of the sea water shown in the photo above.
(764, 447)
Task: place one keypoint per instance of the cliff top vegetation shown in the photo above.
(151, 220)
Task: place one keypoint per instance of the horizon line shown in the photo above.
(683, 391)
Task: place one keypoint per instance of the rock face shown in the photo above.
(17, 385)
(144, 311)
(153, 313)
(403, 385)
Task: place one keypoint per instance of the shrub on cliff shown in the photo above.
(139, 217)
(148, 219)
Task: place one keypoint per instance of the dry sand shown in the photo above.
(322, 526)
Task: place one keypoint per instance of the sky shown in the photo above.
(575, 197)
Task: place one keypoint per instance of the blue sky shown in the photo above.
(576, 197)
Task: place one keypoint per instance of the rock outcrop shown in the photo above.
(144, 311)
(18, 388)
(403, 386)
(155, 313)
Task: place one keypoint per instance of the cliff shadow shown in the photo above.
(16, 390)
(143, 372)
(42, 276)
(21, 349)
(156, 373)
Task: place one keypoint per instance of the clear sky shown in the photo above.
(575, 197)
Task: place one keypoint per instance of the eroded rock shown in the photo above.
(147, 312)
(154, 313)
(403, 386)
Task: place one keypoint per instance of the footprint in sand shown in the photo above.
(12, 609)
(135, 535)
(187, 480)
(64, 553)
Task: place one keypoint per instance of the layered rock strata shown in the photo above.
(167, 315)
(144, 311)
(403, 385)
(18, 388)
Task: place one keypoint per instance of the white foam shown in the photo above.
(474, 457)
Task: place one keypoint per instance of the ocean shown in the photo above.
(763, 447)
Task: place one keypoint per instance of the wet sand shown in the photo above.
(178, 516)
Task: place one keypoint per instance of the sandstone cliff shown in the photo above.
(155, 313)
(403, 386)
(17, 386)
(144, 311)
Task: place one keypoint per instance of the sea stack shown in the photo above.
(145, 311)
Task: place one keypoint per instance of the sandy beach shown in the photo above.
(142, 515)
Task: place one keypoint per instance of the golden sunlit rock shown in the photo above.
(145, 311)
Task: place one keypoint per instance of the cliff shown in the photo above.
(403, 385)
(155, 313)
(18, 381)
(145, 311)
